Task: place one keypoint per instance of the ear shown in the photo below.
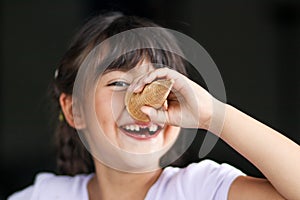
(66, 104)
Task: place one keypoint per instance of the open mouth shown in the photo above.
(141, 132)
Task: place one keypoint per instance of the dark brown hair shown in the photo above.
(72, 156)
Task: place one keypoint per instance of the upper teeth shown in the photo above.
(153, 128)
(135, 127)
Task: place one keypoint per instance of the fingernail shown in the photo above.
(130, 88)
(144, 110)
(137, 88)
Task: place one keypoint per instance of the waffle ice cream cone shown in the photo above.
(153, 94)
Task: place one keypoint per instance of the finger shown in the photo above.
(136, 86)
(139, 83)
(180, 81)
(149, 77)
(160, 73)
(165, 105)
(158, 116)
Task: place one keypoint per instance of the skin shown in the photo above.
(252, 139)
(112, 114)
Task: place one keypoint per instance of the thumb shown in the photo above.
(159, 116)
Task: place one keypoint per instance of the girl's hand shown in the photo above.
(189, 105)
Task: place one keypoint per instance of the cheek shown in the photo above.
(102, 106)
(117, 105)
(171, 133)
(109, 106)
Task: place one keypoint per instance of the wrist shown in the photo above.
(216, 118)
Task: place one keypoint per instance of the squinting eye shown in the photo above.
(119, 84)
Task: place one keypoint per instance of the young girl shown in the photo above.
(119, 166)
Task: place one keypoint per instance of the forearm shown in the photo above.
(276, 156)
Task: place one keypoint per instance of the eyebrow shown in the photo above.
(114, 70)
(109, 71)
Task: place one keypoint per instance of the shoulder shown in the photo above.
(49, 186)
(205, 180)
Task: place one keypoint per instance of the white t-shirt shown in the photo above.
(206, 180)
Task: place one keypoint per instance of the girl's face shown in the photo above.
(117, 125)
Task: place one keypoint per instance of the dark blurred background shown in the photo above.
(255, 44)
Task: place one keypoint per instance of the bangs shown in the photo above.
(160, 58)
(154, 46)
(127, 42)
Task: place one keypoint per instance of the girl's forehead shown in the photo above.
(140, 69)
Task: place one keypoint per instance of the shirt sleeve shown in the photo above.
(29, 193)
(209, 180)
(24, 194)
(48, 186)
(204, 180)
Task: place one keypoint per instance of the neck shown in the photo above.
(112, 184)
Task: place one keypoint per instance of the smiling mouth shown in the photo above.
(141, 132)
